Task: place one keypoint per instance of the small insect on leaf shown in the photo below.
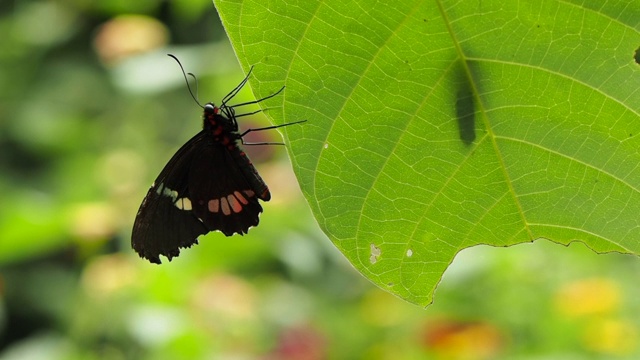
(209, 184)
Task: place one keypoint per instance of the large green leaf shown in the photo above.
(434, 126)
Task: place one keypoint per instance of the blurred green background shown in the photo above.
(91, 109)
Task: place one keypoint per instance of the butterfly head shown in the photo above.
(210, 109)
(219, 120)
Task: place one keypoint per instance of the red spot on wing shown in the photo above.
(240, 197)
(214, 205)
(234, 203)
(265, 194)
(224, 205)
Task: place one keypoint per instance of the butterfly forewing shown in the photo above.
(161, 227)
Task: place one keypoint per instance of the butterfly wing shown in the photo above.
(161, 226)
(205, 186)
(228, 200)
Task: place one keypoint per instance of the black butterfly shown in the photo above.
(209, 184)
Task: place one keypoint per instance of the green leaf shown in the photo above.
(434, 126)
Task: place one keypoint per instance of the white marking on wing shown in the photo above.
(183, 204)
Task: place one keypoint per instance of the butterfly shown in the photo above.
(209, 184)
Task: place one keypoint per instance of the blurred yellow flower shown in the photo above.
(611, 336)
(588, 297)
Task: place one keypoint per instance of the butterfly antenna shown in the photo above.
(195, 80)
(187, 81)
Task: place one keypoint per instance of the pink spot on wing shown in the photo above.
(224, 205)
(234, 203)
(240, 197)
(214, 205)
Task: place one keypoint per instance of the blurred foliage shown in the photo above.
(90, 111)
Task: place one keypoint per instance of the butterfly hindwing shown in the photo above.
(226, 200)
